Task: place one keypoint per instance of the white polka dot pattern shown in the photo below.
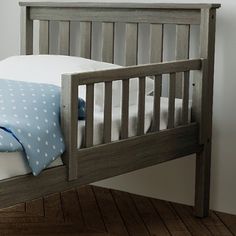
(29, 122)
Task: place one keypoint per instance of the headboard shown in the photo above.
(156, 15)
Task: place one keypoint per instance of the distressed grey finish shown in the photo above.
(69, 115)
(124, 5)
(107, 112)
(93, 163)
(108, 42)
(141, 105)
(171, 101)
(132, 15)
(131, 44)
(125, 109)
(64, 38)
(135, 71)
(202, 110)
(85, 39)
(144, 151)
(181, 53)
(44, 37)
(26, 32)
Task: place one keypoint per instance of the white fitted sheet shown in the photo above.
(13, 163)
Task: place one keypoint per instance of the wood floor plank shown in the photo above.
(128, 211)
(215, 225)
(111, 216)
(172, 221)
(35, 207)
(52, 208)
(228, 220)
(90, 211)
(104, 212)
(194, 224)
(18, 207)
(47, 229)
(71, 207)
(149, 215)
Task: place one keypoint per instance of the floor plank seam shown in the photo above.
(81, 211)
(208, 218)
(151, 200)
(117, 207)
(224, 224)
(180, 217)
(43, 207)
(61, 204)
(99, 208)
(130, 195)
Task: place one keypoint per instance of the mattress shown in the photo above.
(13, 164)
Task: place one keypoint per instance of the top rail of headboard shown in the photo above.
(110, 14)
(121, 5)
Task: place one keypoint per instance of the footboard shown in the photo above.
(93, 163)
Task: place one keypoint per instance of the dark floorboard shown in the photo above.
(95, 211)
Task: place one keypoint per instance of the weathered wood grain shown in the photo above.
(44, 37)
(135, 71)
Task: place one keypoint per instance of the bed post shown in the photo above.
(26, 45)
(202, 110)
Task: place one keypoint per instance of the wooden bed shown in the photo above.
(93, 163)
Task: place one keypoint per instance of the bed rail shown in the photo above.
(70, 83)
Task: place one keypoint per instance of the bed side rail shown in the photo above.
(69, 111)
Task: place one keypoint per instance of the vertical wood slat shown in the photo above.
(185, 101)
(141, 106)
(156, 43)
(26, 47)
(181, 53)
(157, 103)
(171, 101)
(107, 112)
(156, 55)
(43, 37)
(125, 110)
(131, 44)
(85, 38)
(64, 38)
(89, 115)
(108, 42)
(69, 121)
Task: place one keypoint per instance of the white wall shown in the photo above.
(174, 181)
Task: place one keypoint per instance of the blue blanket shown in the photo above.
(30, 121)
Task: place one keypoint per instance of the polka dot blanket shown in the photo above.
(30, 122)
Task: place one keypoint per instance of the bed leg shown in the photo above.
(202, 182)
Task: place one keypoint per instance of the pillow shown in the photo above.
(49, 68)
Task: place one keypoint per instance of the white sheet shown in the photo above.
(49, 68)
(14, 164)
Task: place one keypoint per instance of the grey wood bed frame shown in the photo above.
(94, 163)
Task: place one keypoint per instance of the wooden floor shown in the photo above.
(93, 211)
